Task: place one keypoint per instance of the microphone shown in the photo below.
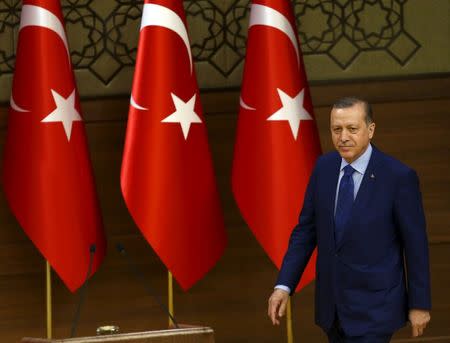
(138, 274)
(92, 249)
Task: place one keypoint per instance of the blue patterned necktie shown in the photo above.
(344, 203)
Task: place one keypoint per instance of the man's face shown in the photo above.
(349, 131)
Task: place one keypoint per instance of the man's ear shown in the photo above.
(371, 130)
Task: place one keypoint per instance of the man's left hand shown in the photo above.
(419, 320)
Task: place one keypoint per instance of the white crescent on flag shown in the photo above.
(38, 16)
(15, 107)
(267, 16)
(157, 15)
(245, 106)
(136, 105)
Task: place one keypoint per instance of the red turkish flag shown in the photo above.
(47, 174)
(167, 176)
(277, 142)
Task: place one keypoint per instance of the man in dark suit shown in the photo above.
(363, 211)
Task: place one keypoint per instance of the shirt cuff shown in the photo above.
(284, 288)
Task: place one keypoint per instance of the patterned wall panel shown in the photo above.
(341, 39)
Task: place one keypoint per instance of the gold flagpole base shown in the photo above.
(289, 331)
(170, 298)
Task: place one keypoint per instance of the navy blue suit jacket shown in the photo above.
(363, 277)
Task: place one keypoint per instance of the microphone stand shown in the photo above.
(138, 274)
(92, 249)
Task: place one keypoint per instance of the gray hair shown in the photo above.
(349, 101)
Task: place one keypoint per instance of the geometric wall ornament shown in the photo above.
(343, 29)
(9, 25)
(103, 39)
(218, 32)
(334, 36)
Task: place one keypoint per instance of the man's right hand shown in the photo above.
(277, 305)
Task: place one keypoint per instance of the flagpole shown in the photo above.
(49, 299)
(290, 334)
(170, 298)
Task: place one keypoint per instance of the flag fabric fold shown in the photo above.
(167, 176)
(277, 142)
(47, 173)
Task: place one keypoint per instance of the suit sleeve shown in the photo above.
(302, 241)
(411, 222)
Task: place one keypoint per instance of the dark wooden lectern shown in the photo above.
(185, 335)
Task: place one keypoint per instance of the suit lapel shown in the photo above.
(331, 185)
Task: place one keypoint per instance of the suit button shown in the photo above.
(336, 255)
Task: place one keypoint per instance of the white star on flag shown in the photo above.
(65, 112)
(184, 114)
(291, 110)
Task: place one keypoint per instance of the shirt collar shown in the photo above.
(361, 163)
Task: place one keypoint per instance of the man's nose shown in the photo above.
(344, 136)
